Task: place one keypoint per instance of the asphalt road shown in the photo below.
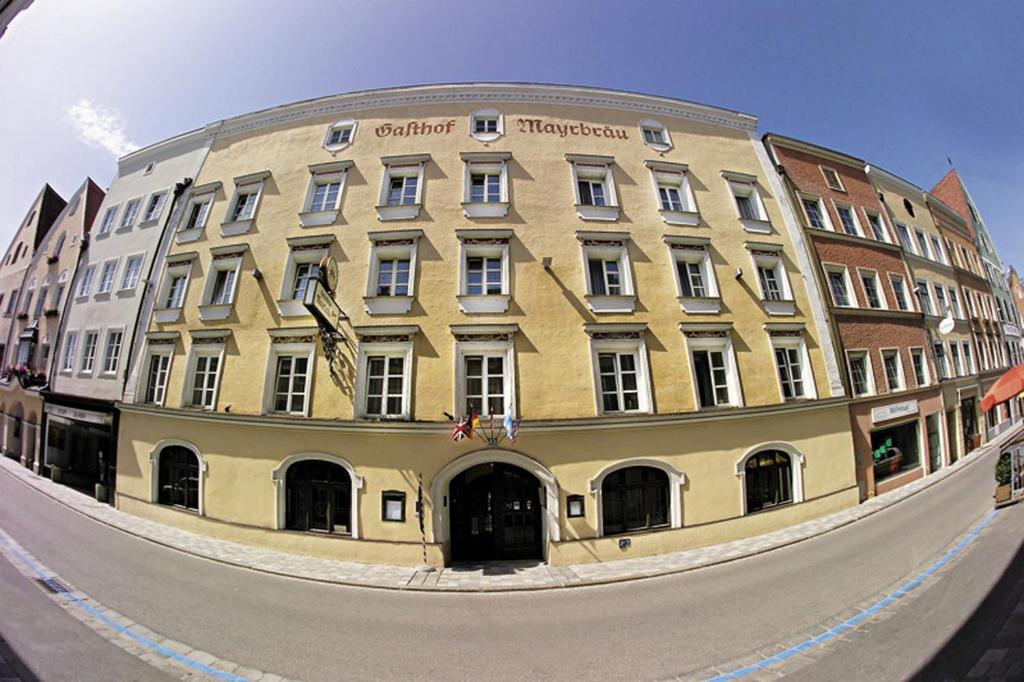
(649, 629)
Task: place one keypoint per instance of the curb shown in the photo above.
(966, 460)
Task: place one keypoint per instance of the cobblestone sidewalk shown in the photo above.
(488, 578)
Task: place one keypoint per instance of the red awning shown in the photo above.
(1007, 386)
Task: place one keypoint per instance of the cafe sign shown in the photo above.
(321, 305)
(887, 412)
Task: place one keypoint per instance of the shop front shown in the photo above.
(81, 442)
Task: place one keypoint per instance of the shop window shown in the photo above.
(318, 497)
(178, 483)
(895, 450)
(635, 499)
(768, 478)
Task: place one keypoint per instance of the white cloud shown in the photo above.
(99, 127)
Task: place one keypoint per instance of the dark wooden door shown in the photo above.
(495, 514)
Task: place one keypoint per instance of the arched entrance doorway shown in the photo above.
(495, 514)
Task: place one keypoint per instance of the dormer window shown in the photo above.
(485, 194)
(655, 135)
(675, 199)
(402, 187)
(832, 179)
(595, 187)
(486, 125)
(340, 135)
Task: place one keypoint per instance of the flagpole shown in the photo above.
(425, 567)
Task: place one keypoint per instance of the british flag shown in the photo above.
(461, 430)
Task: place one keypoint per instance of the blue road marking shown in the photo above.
(144, 641)
(853, 621)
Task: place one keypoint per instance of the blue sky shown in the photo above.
(901, 84)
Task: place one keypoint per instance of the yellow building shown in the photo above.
(613, 273)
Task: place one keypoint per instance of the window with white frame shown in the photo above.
(608, 275)
(695, 276)
(954, 357)
(402, 190)
(385, 371)
(67, 358)
(85, 283)
(893, 370)
(899, 290)
(922, 243)
(202, 378)
(486, 125)
(324, 193)
(920, 365)
(89, 343)
(30, 292)
(839, 286)
(815, 212)
(291, 381)
(875, 223)
(937, 253)
(107, 224)
(832, 179)
(620, 390)
(954, 303)
(939, 353)
(58, 294)
(340, 135)
(222, 292)
(221, 284)
(484, 271)
(873, 295)
(485, 383)
(924, 297)
(940, 299)
(861, 380)
(655, 135)
(619, 356)
(594, 184)
(11, 303)
(485, 185)
(848, 220)
(41, 300)
(177, 282)
(112, 352)
(675, 197)
(131, 211)
(904, 236)
(793, 365)
(301, 271)
(485, 374)
(968, 357)
(772, 279)
(132, 270)
(322, 204)
(391, 281)
(106, 282)
(244, 203)
(715, 377)
(154, 206)
(749, 207)
(197, 212)
(158, 368)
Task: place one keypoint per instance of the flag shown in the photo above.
(507, 424)
(491, 424)
(461, 430)
(474, 420)
(514, 433)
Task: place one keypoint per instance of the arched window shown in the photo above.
(635, 498)
(178, 479)
(769, 480)
(318, 497)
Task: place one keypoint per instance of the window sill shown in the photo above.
(611, 304)
(690, 218)
(292, 307)
(400, 212)
(387, 305)
(208, 313)
(101, 296)
(102, 235)
(700, 305)
(235, 228)
(491, 209)
(166, 315)
(756, 226)
(588, 212)
(191, 235)
(780, 307)
(125, 293)
(486, 137)
(123, 229)
(317, 218)
(491, 303)
(150, 223)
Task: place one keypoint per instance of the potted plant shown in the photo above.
(1003, 478)
(50, 312)
(887, 459)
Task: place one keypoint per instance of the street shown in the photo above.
(693, 624)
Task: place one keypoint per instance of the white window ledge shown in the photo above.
(149, 223)
(235, 228)
(680, 217)
(292, 307)
(492, 303)
(611, 304)
(756, 226)
(588, 212)
(214, 312)
(166, 315)
(489, 209)
(702, 305)
(387, 305)
(399, 212)
(185, 236)
(317, 218)
(780, 307)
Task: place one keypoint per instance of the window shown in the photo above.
(385, 378)
(197, 212)
(910, 207)
(940, 299)
(222, 282)
(175, 296)
(672, 189)
(937, 253)
(107, 277)
(340, 135)
(203, 389)
(924, 298)
(609, 282)
(605, 276)
(954, 302)
(88, 351)
(875, 223)
(11, 302)
(749, 207)
(619, 354)
(305, 273)
(772, 279)
(620, 390)
(893, 370)
(131, 210)
(154, 207)
(899, 290)
(112, 354)
(848, 220)
(596, 198)
(223, 287)
(832, 179)
(904, 236)
(954, 356)
(635, 499)
(132, 268)
(41, 300)
(922, 243)
(698, 290)
(156, 378)
(324, 194)
(860, 373)
(789, 362)
(655, 135)
(318, 497)
(837, 284)
(920, 366)
(392, 505)
(485, 383)
(485, 191)
(815, 215)
(178, 478)
(402, 192)
(486, 125)
(484, 187)
(383, 387)
(941, 368)
(107, 224)
(712, 377)
(291, 384)
(67, 358)
(768, 478)
(968, 358)
(244, 206)
(872, 289)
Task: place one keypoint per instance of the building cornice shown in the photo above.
(815, 233)
(877, 312)
(876, 173)
(814, 150)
